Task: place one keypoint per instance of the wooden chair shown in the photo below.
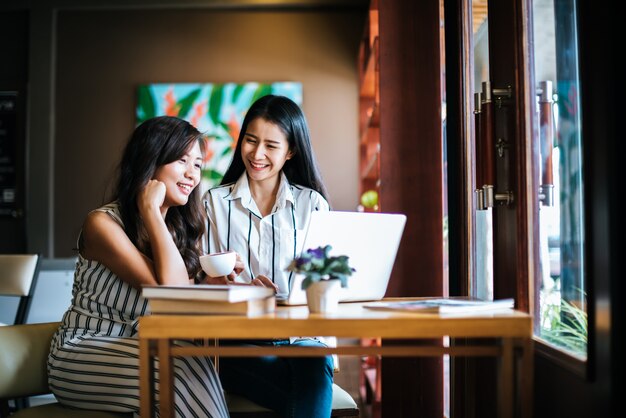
(18, 277)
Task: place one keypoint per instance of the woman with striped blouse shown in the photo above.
(261, 210)
(149, 234)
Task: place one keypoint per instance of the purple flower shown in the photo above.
(318, 252)
(316, 264)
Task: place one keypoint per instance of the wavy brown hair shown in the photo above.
(154, 143)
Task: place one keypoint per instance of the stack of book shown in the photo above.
(210, 299)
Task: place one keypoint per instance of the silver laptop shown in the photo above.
(369, 239)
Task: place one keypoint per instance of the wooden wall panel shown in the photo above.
(411, 173)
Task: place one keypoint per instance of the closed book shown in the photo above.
(443, 305)
(202, 307)
(215, 292)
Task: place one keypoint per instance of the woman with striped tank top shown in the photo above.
(149, 234)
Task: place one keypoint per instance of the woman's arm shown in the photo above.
(105, 241)
(169, 266)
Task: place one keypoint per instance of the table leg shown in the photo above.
(166, 379)
(526, 371)
(506, 380)
(146, 381)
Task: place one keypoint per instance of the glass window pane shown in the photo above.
(562, 298)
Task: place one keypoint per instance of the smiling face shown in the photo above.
(264, 151)
(181, 176)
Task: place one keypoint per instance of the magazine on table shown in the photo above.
(443, 305)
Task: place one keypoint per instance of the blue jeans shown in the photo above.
(298, 387)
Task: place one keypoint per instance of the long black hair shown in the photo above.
(285, 113)
(154, 143)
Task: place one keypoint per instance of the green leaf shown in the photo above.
(226, 151)
(186, 103)
(145, 106)
(222, 138)
(211, 174)
(224, 126)
(215, 103)
(262, 90)
(237, 92)
(306, 283)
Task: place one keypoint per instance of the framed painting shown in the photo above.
(217, 110)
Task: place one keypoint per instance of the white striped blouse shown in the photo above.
(266, 244)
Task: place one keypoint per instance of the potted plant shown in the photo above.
(323, 274)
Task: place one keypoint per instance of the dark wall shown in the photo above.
(13, 48)
(13, 76)
(103, 55)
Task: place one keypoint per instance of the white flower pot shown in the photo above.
(323, 296)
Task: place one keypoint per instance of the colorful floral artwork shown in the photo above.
(217, 110)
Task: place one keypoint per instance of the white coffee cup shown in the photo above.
(218, 264)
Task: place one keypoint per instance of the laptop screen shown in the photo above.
(369, 239)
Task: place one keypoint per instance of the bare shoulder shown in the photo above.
(99, 225)
(103, 238)
(98, 220)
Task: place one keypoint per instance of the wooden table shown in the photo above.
(507, 335)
